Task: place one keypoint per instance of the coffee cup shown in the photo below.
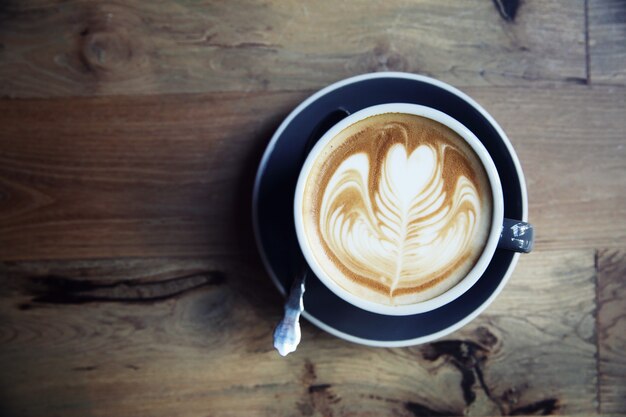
(398, 209)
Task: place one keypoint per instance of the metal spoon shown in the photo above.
(287, 334)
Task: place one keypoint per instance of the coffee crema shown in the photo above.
(397, 208)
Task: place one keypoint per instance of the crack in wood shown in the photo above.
(54, 289)
(596, 318)
(576, 80)
(318, 388)
(415, 408)
(469, 358)
(507, 8)
(243, 45)
(420, 410)
(318, 397)
(466, 356)
(539, 408)
(85, 368)
(310, 375)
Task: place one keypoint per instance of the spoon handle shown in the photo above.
(287, 333)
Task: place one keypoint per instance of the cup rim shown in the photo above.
(496, 221)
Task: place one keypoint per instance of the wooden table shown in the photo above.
(130, 133)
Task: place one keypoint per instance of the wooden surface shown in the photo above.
(607, 41)
(611, 265)
(192, 337)
(129, 282)
(55, 49)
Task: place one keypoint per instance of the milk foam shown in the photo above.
(398, 222)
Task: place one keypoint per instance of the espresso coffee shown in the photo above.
(397, 208)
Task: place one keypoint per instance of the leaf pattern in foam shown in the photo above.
(409, 230)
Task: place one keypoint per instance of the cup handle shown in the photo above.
(516, 236)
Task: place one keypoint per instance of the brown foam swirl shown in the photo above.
(397, 208)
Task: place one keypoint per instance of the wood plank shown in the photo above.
(607, 41)
(572, 147)
(53, 48)
(172, 176)
(115, 177)
(540, 330)
(611, 330)
(192, 337)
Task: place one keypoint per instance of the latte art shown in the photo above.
(409, 229)
(397, 211)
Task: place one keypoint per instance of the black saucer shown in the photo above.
(273, 207)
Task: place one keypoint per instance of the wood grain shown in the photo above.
(190, 337)
(129, 282)
(607, 41)
(611, 313)
(572, 147)
(116, 177)
(52, 48)
(172, 176)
